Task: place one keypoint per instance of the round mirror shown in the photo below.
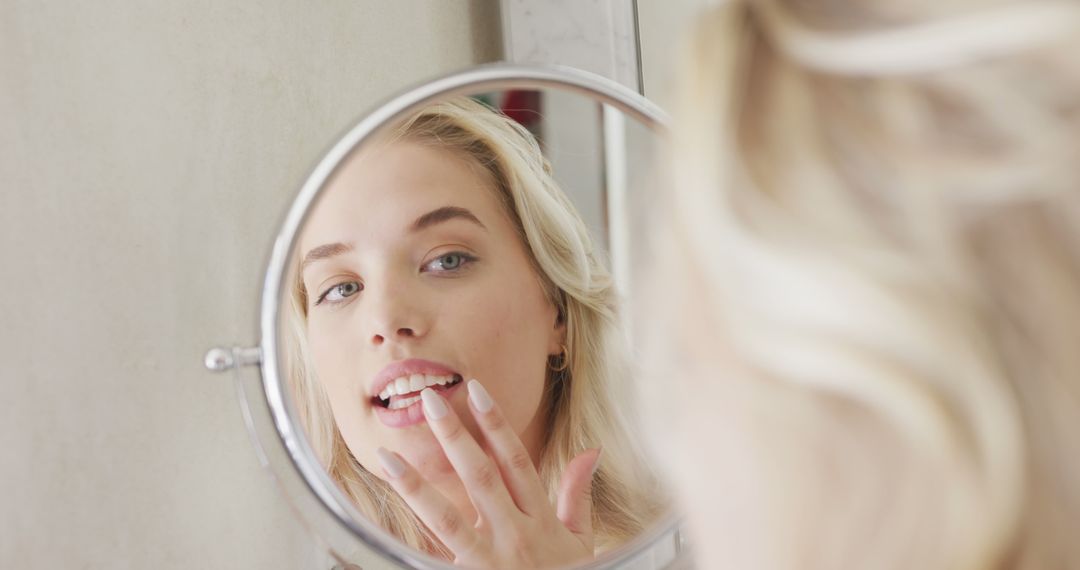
(444, 359)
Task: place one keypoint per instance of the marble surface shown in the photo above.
(664, 28)
(595, 35)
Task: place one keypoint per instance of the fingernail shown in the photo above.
(596, 464)
(393, 466)
(434, 406)
(480, 398)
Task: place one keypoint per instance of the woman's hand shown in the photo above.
(517, 526)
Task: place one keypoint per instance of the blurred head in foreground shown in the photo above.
(860, 313)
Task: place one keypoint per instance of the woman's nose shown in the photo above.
(400, 334)
(396, 317)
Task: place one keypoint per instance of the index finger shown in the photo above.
(478, 473)
(512, 456)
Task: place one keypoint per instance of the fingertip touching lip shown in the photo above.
(406, 369)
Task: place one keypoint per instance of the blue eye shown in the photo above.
(449, 262)
(340, 292)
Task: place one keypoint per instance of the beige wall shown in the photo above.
(147, 153)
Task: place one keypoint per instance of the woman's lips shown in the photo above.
(405, 369)
(413, 413)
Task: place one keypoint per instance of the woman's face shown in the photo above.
(414, 277)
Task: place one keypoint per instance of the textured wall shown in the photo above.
(148, 151)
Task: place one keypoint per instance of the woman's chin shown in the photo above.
(431, 462)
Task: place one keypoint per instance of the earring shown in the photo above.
(565, 361)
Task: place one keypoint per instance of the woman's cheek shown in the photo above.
(331, 363)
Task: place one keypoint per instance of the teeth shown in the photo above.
(416, 383)
(403, 402)
(410, 384)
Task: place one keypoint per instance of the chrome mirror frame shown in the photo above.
(266, 406)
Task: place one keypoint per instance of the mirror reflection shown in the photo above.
(453, 339)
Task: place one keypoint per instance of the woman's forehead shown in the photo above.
(382, 192)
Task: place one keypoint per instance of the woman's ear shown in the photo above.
(557, 339)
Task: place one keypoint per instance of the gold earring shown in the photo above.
(565, 363)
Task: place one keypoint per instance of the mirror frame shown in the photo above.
(273, 406)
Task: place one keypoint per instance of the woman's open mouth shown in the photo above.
(398, 405)
(405, 391)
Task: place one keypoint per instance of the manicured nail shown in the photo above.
(393, 466)
(480, 398)
(434, 406)
(596, 464)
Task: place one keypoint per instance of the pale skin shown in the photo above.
(416, 258)
(516, 526)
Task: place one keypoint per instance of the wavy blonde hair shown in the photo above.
(876, 278)
(584, 398)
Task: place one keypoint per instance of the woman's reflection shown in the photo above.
(446, 253)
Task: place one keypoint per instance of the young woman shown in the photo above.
(869, 269)
(455, 352)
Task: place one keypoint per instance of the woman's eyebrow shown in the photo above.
(323, 252)
(431, 218)
(443, 214)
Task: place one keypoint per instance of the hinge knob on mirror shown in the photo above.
(220, 359)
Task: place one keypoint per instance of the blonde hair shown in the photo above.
(879, 275)
(584, 394)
